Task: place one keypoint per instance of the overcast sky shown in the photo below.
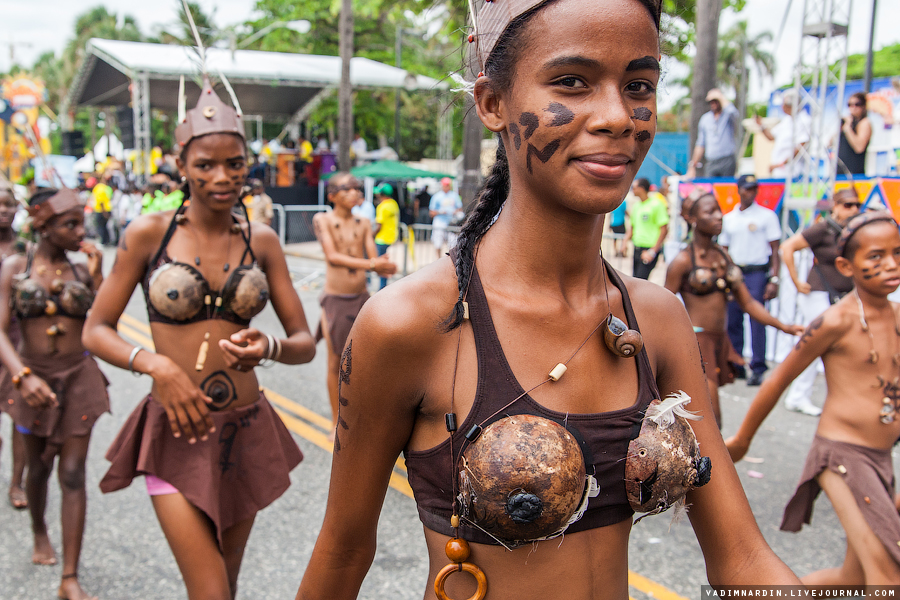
(37, 26)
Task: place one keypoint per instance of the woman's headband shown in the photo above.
(860, 221)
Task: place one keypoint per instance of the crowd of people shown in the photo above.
(453, 366)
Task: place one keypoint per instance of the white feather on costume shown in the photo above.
(664, 413)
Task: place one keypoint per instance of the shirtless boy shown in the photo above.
(858, 339)
(350, 253)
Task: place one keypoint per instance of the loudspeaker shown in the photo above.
(72, 143)
(125, 118)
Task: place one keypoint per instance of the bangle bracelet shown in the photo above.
(134, 353)
(18, 377)
(268, 361)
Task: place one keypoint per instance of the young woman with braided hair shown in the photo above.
(532, 389)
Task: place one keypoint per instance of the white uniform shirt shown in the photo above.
(786, 141)
(748, 234)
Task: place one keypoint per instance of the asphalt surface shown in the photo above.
(125, 555)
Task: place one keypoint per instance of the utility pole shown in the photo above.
(397, 62)
(867, 86)
(345, 94)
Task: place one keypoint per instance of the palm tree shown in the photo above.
(704, 77)
(181, 34)
(735, 49)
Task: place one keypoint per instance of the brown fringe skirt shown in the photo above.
(80, 388)
(869, 473)
(242, 468)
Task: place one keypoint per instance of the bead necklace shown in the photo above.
(891, 400)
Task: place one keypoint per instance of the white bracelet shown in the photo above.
(268, 361)
(134, 353)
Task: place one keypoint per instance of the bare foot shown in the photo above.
(43, 550)
(17, 497)
(70, 589)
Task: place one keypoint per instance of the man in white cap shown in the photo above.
(788, 142)
(716, 147)
(445, 205)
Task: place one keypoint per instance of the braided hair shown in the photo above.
(500, 68)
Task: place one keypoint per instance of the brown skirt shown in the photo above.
(869, 474)
(80, 388)
(240, 470)
(340, 311)
(715, 351)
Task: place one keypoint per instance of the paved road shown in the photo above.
(125, 555)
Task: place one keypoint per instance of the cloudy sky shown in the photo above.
(33, 27)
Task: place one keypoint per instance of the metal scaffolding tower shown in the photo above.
(822, 63)
(140, 104)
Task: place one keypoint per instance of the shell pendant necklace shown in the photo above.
(890, 387)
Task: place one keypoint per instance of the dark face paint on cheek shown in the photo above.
(643, 114)
(542, 155)
(643, 136)
(530, 122)
(562, 115)
(201, 183)
(517, 135)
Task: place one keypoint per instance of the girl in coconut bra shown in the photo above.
(511, 349)
(706, 278)
(205, 275)
(57, 390)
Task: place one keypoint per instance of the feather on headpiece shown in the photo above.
(211, 115)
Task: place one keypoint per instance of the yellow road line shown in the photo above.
(139, 332)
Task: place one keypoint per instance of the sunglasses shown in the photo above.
(347, 188)
(851, 104)
(851, 204)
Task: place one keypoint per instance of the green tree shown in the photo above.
(736, 50)
(885, 63)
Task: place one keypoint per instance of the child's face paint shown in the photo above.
(563, 116)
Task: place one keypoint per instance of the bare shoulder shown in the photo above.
(407, 315)
(145, 233)
(833, 325)
(651, 299)
(15, 263)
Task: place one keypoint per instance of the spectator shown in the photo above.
(716, 145)
(617, 226)
(364, 209)
(856, 131)
(443, 207)
(260, 208)
(101, 201)
(358, 147)
(751, 236)
(387, 221)
(649, 227)
(788, 142)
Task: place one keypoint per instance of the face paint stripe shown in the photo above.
(542, 155)
(517, 135)
(643, 114)
(530, 122)
(562, 115)
(643, 136)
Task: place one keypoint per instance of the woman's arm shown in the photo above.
(859, 140)
(734, 549)
(676, 272)
(795, 243)
(379, 392)
(184, 402)
(757, 311)
(247, 347)
(817, 339)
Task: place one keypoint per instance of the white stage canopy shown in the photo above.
(270, 84)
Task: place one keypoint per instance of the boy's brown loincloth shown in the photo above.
(340, 313)
(868, 472)
(715, 352)
(80, 388)
(242, 468)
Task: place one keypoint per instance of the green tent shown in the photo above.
(390, 169)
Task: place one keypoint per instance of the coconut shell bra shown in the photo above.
(177, 293)
(605, 440)
(702, 281)
(31, 299)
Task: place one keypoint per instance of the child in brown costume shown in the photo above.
(858, 339)
(706, 277)
(212, 449)
(350, 253)
(58, 392)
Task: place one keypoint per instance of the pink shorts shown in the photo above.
(158, 487)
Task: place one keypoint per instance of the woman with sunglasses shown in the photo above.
(856, 131)
(823, 286)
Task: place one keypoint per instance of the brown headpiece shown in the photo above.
(858, 222)
(62, 201)
(211, 115)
